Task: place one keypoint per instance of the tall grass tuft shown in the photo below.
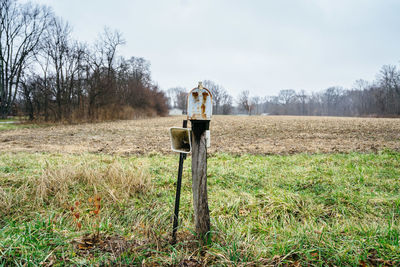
(115, 181)
(57, 183)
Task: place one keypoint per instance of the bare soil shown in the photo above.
(231, 134)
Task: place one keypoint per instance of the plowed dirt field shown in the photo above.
(231, 134)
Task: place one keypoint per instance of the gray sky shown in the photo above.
(257, 45)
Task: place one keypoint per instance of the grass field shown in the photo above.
(115, 206)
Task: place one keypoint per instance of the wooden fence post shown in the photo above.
(199, 180)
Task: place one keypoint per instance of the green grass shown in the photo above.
(12, 126)
(336, 209)
(15, 118)
(21, 123)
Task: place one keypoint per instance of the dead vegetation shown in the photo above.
(231, 134)
(115, 181)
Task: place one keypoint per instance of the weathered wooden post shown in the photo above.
(199, 108)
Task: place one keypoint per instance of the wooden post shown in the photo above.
(199, 180)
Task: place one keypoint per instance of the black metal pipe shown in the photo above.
(182, 157)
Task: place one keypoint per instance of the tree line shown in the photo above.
(47, 75)
(380, 98)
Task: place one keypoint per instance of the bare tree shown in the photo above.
(255, 101)
(107, 47)
(302, 97)
(361, 97)
(21, 28)
(227, 104)
(178, 97)
(332, 97)
(102, 64)
(27, 89)
(244, 101)
(389, 81)
(218, 93)
(43, 60)
(58, 47)
(285, 97)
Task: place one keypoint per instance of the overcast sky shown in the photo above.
(257, 45)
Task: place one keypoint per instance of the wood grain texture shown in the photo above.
(199, 180)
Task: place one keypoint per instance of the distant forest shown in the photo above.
(46, 75)
(380, 98)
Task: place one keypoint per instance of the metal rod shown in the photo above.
(182, 157)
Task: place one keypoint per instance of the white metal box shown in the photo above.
(199, 104)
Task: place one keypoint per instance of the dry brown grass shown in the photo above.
(232, 134)
(119, 181)
(115, 182)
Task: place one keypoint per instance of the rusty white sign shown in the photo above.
(199, 104)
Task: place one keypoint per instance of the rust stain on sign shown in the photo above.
(196, 96)
(203, 111)
(205, 95)
(203, 105)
